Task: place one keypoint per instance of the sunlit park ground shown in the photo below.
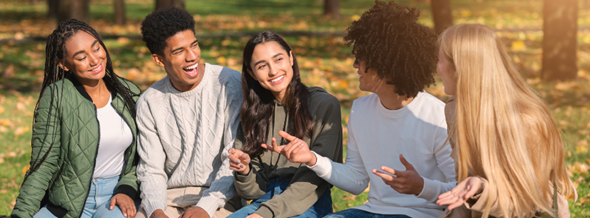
(324, 60)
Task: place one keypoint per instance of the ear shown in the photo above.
(252, 74)
(158, 59)
(291, 57)
(62, 66)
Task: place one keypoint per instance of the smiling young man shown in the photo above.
(187, 122)
(397, 134)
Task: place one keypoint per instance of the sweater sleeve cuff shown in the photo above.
(429, 190)
(265, 212)
(322, 167)
(151, 206)
(245, 178)
(210, 204)
(127, 190)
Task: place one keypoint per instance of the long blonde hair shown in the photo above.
(505, 132)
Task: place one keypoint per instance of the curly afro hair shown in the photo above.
(390, 40)
(162, 24)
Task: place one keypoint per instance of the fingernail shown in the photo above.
(243, 155)
(241, 166)
(238, 161)
(111, 207)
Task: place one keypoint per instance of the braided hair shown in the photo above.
(55, 51)
(390, 40)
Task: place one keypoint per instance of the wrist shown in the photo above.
(246, 170)
(313, 161)
(420, 186)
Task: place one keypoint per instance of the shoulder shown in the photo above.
(226, 75)
(365, 101)
(318, 95)
(153, 93)
(134, 89)
(429, 109)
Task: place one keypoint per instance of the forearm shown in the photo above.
(250, 186)
(344, 176)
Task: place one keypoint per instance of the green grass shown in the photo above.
(324, 62)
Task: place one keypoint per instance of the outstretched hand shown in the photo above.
(463, 191)
(297, 151)
(405, 182)
(239, 161)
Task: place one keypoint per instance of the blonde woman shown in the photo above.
(508, 151)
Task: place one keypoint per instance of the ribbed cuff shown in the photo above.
(429, 191)
(265, 212)
(210, 204)
(322, 167)
(245, 178)
(151, 206)
(127, 190)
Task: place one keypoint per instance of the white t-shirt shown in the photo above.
(377, 136)
(115, 138)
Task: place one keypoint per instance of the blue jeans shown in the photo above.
(362, 214)
(98, 201)
(321, 207)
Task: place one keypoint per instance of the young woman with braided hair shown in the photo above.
(509, 153)
(83, 147)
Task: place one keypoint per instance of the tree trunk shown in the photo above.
(441, 15)
(52, 7)
(120, 12)
(560, 28)
(331, 9)
(77, 9)
(169, 3)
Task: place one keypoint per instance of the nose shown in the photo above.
(191, 56)
(93, 60)
(272, 69)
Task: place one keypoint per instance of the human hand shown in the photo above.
(125, 203)
(297, 151)
(159, 213)
(194, 212)
(463, 191)
(239, 161)
(405, 182)
(254, 215)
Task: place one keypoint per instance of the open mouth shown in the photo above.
(277, 80)
(191, 71)
(98, 69)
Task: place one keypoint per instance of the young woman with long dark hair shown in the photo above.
(83, 147)
(279, 109)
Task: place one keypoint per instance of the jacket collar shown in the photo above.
(81, 89)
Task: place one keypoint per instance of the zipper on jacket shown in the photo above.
(93, 163)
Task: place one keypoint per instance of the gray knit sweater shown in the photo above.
(185, 137)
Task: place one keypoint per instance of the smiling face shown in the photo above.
(444, 68)
(181, 60)
(85, 58)
(272, 67)
(369, 81)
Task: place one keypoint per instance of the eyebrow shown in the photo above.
(274, 56)
(82, 51)
(179, 48)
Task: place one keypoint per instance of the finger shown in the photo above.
(113, 202)
(456, 204)
(289, 147)
(297, 149)
(286, 135)
(390, 170)
(406, 163)
(232, 150)
(132, 212)
(384, 176)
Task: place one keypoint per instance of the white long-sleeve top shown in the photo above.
(377, 136)
(184, 138)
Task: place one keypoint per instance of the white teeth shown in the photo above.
(277, 79)
(191, 67)
(96, 69)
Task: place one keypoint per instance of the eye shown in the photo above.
(261, 66)
(97, 48)
(81, 59)
(279, 59)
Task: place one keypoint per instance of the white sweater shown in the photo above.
(377, 136)
(184, 138)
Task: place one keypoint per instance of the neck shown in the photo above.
(391, 100)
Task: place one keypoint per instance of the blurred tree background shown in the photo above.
(548, 40)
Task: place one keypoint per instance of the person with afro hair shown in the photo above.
(187, 122)
(397, 135)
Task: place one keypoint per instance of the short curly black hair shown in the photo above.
(389, 39)
(162, 24)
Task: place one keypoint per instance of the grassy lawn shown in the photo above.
(324, 61)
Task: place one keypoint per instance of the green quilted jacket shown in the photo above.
(65, 175)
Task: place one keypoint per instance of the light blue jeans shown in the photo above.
(98, 201)
(362, 214)
(322, 207)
